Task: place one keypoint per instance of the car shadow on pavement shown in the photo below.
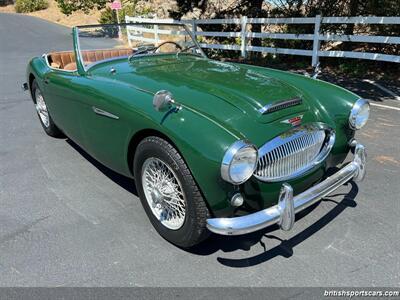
(245, 242)
(285, 248)
(123, 181)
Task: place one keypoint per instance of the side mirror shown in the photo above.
(162, 101)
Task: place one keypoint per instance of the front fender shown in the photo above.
(332, 100)
(203, 142)
(38, 68)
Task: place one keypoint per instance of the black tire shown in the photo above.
(193, 230)
(51, 129)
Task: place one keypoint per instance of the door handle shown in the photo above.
(46, 81)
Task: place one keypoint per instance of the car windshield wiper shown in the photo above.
(142, 50)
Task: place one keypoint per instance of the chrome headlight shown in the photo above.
(239, 162)
(359, 114)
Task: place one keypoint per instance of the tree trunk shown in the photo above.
(352, 11)
(255, 11)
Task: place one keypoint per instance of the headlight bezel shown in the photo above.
(233, 151)
(355, 111)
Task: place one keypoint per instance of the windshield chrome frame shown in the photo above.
(173, 23)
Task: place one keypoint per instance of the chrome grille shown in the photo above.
(292, 153)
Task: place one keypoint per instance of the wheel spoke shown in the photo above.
(41, 108)
(164, 193)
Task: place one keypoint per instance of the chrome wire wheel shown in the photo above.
(164, 193)
(41, 108)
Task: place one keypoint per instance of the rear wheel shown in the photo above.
(44, 116)
(169, 193)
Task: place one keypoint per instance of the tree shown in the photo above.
(223, 9)
(271, 8)
(6, 2)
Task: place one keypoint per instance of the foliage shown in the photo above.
(67, 7)
(269, 8)
(25, 6)
(229, 9)
(310, 8)
(6, 2)
(353, 68)
(108, 16)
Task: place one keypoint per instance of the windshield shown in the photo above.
(99, 43)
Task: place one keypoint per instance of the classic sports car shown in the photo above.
(213, 146)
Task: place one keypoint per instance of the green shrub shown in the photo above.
(25, 6)
(67, 7)
(300, 64)
(353, 68)
(6, 2)
(108, 16)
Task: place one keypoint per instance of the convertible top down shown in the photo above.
(213, 146)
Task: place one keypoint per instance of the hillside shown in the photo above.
(53, 14)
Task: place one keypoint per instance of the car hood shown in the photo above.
(231, 94)
(206, 84)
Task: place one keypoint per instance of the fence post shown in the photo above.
(156, 37)
(316, 42)
(194, 29)
(128, 33)
(243, 22)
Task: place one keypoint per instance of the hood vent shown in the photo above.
(280, 105)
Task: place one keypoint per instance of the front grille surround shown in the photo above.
(294, 152)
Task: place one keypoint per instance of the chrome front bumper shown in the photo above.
(284, 212)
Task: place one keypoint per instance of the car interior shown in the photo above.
(65, 60)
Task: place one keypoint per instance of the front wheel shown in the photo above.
(169, 194)
(44, 116)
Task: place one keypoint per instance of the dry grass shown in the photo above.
(53, 14)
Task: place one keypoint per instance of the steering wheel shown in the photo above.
(168, 42)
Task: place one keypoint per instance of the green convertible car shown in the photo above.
(213, 146)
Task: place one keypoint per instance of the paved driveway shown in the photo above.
(65, 220)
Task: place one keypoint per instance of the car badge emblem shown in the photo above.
(296, 121)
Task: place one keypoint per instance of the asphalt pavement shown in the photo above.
(66, 220)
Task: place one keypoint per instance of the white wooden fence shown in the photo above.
(316, 37)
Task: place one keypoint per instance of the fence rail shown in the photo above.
(316, 37)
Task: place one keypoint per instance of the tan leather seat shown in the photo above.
(59, 60)
(72, 66)
(66, 60)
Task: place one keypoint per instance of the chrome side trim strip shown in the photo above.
(282, 213)
(104, 113)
